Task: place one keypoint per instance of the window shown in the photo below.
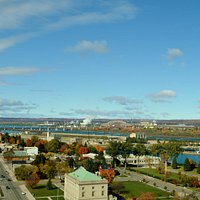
(83, 188)
(83, 194)
(102, 187)
(93, 187)
(93, 193)
(102, 193)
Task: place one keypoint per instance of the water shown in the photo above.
(195, 157)
(55, 130)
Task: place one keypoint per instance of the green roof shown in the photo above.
(20, 153)
(81, 174)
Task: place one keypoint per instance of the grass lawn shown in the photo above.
(180, 169)
(41, 191)
(134, 189)
(156, 174)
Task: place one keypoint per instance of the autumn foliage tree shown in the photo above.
(83, 150)
(28, 142)
(99, 149)
(32, 180)
(108, 174)
(63, 148)
(146, 196)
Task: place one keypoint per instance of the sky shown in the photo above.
(135, 59)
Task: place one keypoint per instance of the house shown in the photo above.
(31, 150)
(15, 155)
(138, 135)
(84, 185)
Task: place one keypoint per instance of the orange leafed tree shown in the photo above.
(28, 142)
(146, 196)
(32, 180)
(99, 149)
(108, 174)
(83, 150)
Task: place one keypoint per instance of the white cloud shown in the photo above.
(38, 17)
(173, 53)
(8, 42)
(14, 14)
(13, 106)
(101, 12)
(121, 100)
(88, 46)
(8, 71)
(162, 96)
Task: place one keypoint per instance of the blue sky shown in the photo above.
(102, 59)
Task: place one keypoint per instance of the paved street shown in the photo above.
(10, 187)
(133, 176)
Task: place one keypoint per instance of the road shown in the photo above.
(10, 189)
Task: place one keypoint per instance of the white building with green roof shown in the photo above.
(84, 185)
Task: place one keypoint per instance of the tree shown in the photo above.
(32, 180)
(34, 139)
(40, 159)
(187, 166)
(140, 150)
(62, 168)
(114, 150)
(100, 158)
(174, 163)
(90, 165)
(52, 146)
(28, 142)
(83, 150)
(49, 184)
(12, 140)
(99, 148)
(25, 171)
(108, 174)
(198, 168)
(146, 196)
(71, 162)
(5, 137)
(41, 145)
(92, 149)
(63, 148)
(49, 169)
(126, 149)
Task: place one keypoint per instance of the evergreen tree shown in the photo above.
(187, 166)
(198, 168)
(174, 163)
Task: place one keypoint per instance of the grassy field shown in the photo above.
(41, 191)
(154, 173)
(134, 189)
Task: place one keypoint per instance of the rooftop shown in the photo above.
(81, 174)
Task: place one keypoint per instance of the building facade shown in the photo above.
(84, 185)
